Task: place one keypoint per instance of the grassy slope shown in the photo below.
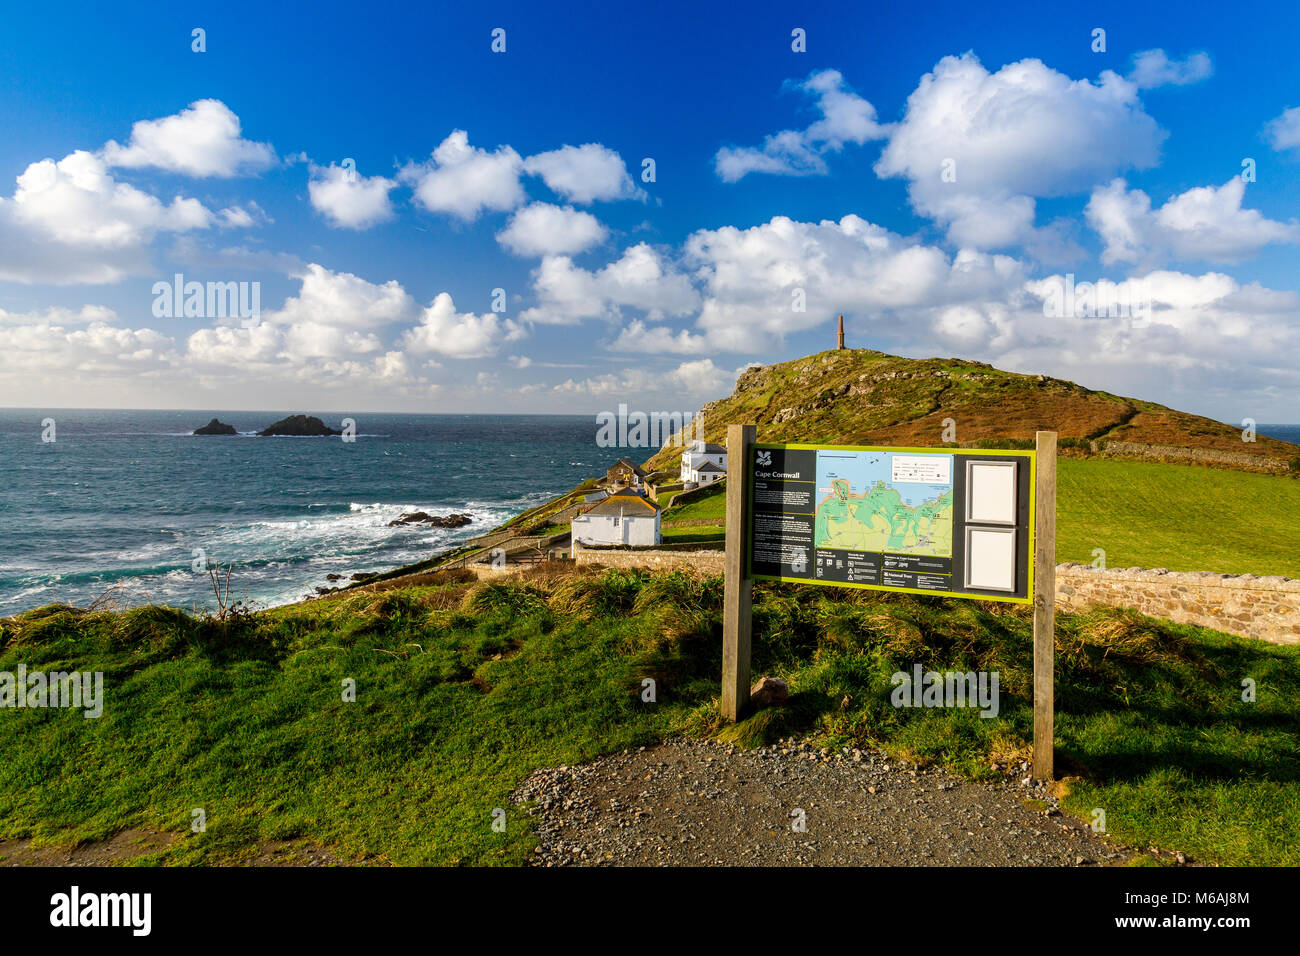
(711, 505)
(462, 689)
(1183, 517)
(702, 520)
(260, 738)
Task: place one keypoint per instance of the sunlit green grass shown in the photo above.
(1182, 517)
(712, 505)
(694, 532)
(438, 735)
(464, 688)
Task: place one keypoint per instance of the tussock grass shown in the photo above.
(464, 687)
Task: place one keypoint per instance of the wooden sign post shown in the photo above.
(1044, 605)
(737, 590)
(990, 520)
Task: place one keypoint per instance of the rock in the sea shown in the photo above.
(437, 521)
(215, 427)
(768, 692)
(299, 426)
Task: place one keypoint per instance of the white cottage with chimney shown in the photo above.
(623, 518)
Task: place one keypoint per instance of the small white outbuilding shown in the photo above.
(623, 518)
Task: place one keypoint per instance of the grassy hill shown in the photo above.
(863, 397)
(464, 688)
(1141, 513)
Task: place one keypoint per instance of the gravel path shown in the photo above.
(693, 802)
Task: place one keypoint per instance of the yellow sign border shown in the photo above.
(1030, 454)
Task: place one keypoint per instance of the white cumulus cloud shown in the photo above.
(70, 222)
(696, 379)
(347, 199)
(583, 174)
(202, 140)
(1206, 222)
(541, 229)
(463, 181)
(640, 279)
(462, 335)
(1283, 132)
(977, 147)
(344, 300)
(845, 118)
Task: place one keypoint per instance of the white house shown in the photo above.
(704, 463)
(623, 518)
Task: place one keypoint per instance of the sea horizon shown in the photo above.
(1292, 427)
(129, 500)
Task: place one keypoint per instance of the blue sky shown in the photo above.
(776, 172)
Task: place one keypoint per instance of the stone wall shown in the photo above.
(1264, 607)
(706, 562)
(1202, 456)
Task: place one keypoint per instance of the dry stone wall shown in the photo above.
(1264, 607)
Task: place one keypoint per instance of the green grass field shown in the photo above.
(462, 689)
(1154, 515)
(712, 504)
(1182, 517)
(695, 533)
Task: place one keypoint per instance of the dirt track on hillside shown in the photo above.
(689, 802)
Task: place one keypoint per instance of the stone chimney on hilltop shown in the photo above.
(839, 338)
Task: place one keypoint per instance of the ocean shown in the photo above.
(124, 499)
(1289, 433)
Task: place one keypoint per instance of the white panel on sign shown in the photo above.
(991, 558)
(991, 492)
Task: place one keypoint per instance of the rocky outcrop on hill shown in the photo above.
(300, 426)
(215, 427)
(436, 521)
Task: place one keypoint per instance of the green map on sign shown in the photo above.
(899, 517)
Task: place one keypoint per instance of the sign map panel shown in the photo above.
(891, 518)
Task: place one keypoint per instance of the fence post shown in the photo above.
(737, 588)
(1044, 605)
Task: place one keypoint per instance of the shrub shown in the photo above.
(613, 592)
(496, 596)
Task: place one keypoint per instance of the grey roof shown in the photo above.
(709, 448)
(636, 469)
(710, 466)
